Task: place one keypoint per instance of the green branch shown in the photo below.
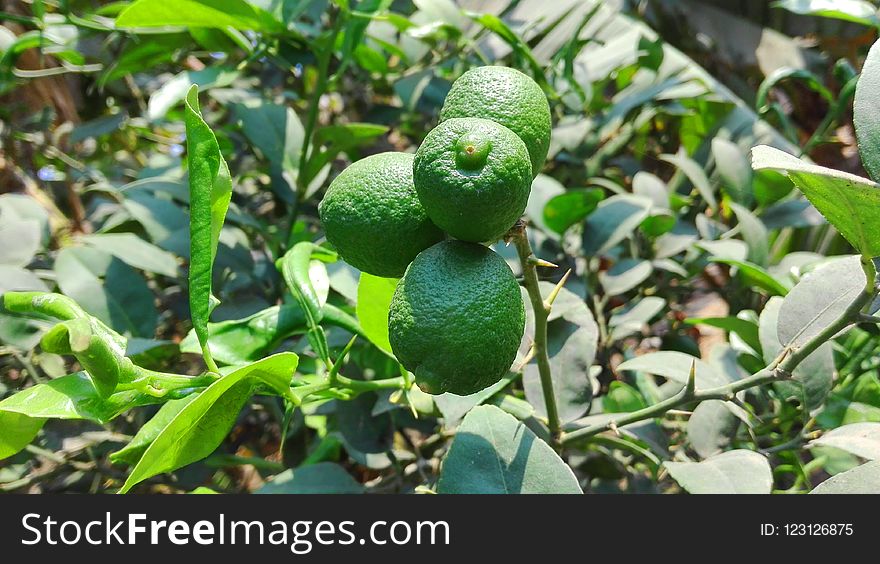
(541, 309)
(780, 369)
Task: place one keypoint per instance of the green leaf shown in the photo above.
(240, 341)
(134, 251)
(357, 27)
(865, 116)
(520, 48)
(864, 479)
(860, 439)
(770, 186)
(19, 241)
(72, 397)
(652, 187)
(202, 490)
(625, 275)
(17, 431)
(493, 453)
(236, 14)
(363, 430)
(145, 436)
(676, 366)
(695, 173)
(137, 56)
(734, 169)
(210, 188)
(199, 428)
(295, 267)
(858, 11)
(658, 223)
(622, 398)
(21, 207)
(808, 79)
(99, 350)
(175, 89)
(454, 407)
(746, 330)
(731, 472)
(15, 279)
(338, 139)
(568, 209)
(276, 131)
(754, 234)
(633, 317)
(711, 427)
(755, 276)
(733, 249)
(819, 299)
(813, 376)
(373, 301)
(320, 478)
(613, 221)
(107, 288)
(858, 402)
(544, 189)
(572, 338)
(847, 201)
(791, 213)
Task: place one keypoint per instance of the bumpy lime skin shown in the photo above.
(506, 96)
(373, 217)
(470, 202)
(457, 318)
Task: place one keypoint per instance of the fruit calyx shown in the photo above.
(472, 150)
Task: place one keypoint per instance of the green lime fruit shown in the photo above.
(473, 176)
(508, 97)
(456, 318)
(373, 217)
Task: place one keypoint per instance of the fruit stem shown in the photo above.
(527, 259)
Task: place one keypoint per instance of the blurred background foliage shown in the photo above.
(675, 243)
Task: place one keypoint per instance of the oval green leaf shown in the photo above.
(731, 472)
(199, 428)
(373, 301)
(847, 201)
(210, 188)
(493, 453)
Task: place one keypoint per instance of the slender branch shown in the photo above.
(542, 311)
(161, 384)
(371, 385)
(324, 58)
(780, 369)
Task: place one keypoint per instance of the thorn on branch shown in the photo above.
(691, 386)
(552, 297)
(541, 262)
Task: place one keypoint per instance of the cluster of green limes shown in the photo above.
(457, 317)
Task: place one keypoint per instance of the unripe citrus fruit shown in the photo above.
(371, 214)
(473, 176)
(508, 97)
(456, 318)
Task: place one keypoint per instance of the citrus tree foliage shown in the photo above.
(699, 297)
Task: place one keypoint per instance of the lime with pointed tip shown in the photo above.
(473, 177)
(373, 217)
(508, 97)
(456, 318)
